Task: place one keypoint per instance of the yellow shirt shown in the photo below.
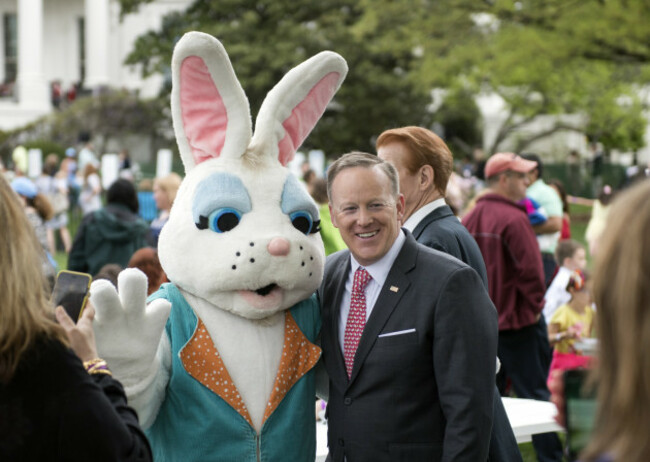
(568, 318)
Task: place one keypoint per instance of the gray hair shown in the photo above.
(364, 160)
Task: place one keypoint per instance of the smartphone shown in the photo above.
(580, 402)
(71, 290)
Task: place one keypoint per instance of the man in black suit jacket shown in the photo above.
(421, 383)
(424, 164)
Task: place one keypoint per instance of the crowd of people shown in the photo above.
(109, 227)
(512, 301)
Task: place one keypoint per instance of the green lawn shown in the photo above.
(528, 453)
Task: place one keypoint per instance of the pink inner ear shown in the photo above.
(204, 114)
(305, 115)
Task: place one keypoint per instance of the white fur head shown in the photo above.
(242, 233)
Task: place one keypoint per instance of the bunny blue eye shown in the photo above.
(304, 223)
(300, 207)
(220, 202)
(223, 220)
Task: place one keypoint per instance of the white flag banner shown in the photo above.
(163, 163)
(110, 169)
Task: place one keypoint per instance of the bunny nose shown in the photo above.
(278, 247)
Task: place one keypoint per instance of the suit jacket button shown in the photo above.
(347, 401)
(341, 442)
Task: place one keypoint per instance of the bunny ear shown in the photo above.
(210, 111)
(292, 108)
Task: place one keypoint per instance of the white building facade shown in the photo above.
(69, 44)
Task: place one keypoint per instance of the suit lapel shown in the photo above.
(339, 277)
(437, 214)
(386, 302)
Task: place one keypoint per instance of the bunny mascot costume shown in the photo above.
(219, 363)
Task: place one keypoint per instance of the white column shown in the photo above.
(97, 30)
(33, 92)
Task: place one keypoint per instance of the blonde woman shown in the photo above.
(164, 193)
(622, 297)
(52, 406)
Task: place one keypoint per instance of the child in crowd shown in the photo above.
(570, 256)
(38, 209)
(571, 322)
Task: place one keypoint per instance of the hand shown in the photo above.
(556, 387)
(80, 335)
(128, 330)
(575, 331)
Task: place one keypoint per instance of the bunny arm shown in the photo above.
(147, 396)
(129, 335)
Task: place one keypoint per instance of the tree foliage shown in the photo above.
(542, 57)
(586, 58)
(266, 38)
(109, 116)
(459, 118)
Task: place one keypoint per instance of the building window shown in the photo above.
(11, 47)
(81, 36)
(10, 32)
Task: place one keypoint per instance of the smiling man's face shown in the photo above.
(366, 213)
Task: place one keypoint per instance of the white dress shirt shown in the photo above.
(379, 272)
(422, 212)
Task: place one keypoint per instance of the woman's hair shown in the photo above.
(146, 260)
(42, 205)
(89, 169)
(65, 165)
(606, 195)
(622, 297)
(561, 190)
(123, 192)
(145, 184)
(169, 185)
(51, 164)
(25, 309)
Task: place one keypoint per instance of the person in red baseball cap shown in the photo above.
(516, 284)
(507, 161)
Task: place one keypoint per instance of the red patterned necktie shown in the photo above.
(356, 318)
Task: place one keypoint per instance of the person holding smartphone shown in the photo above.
(58, 400)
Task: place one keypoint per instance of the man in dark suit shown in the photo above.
(424, 164)
(409, 333)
